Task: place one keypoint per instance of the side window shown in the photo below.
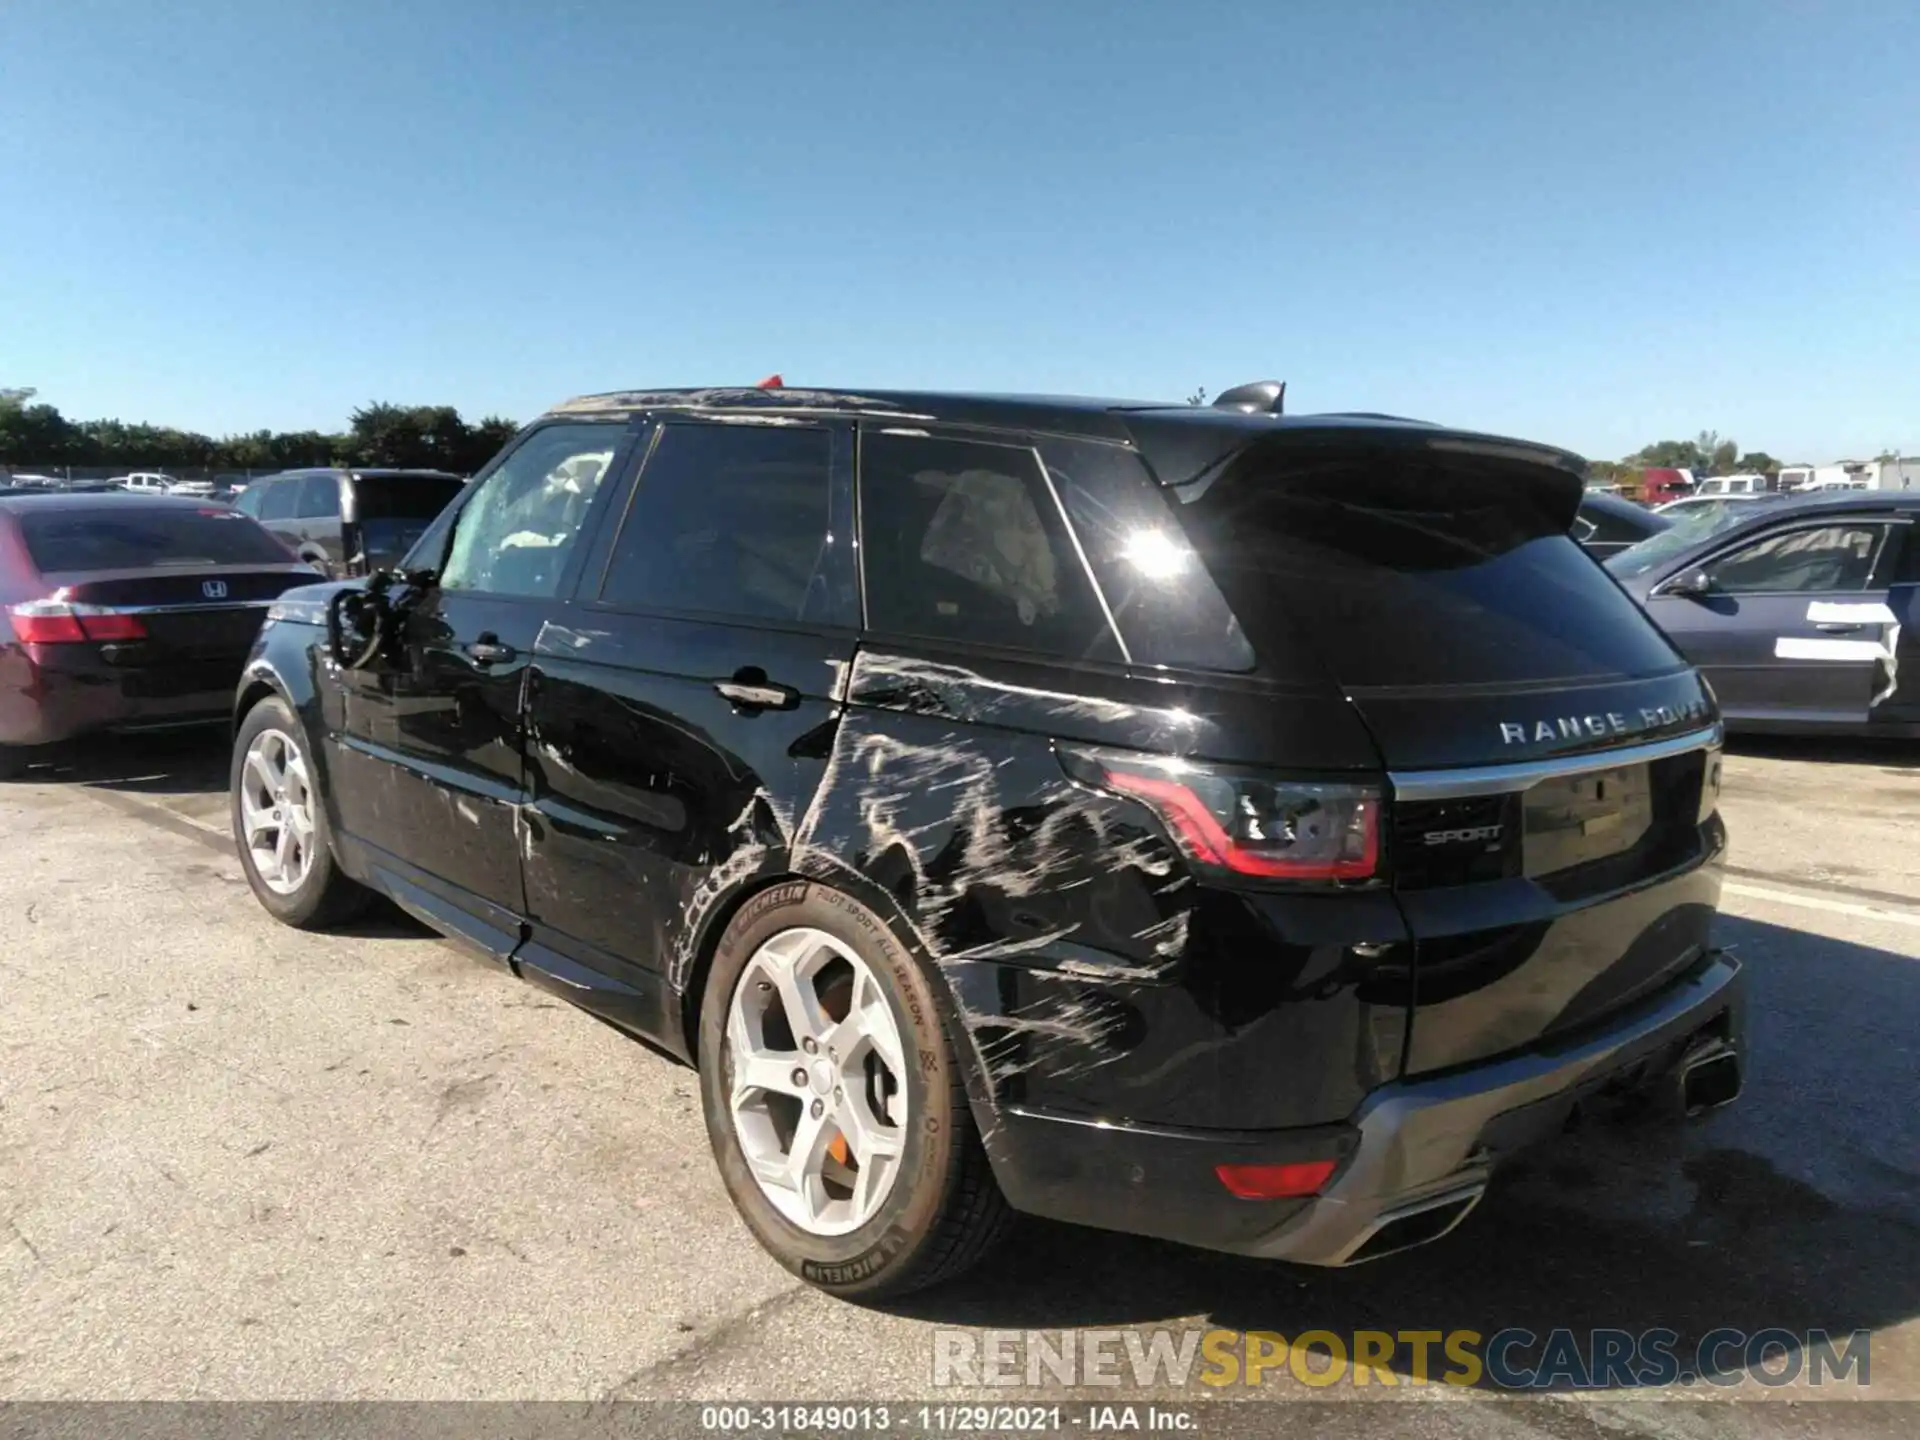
(962, 540)
(515, 535)
(729, 520)
(247, 502)
(1908, 571)
(319, 498)
(277, 500)
(1825, 558)
(1167, 606)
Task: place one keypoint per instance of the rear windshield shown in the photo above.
(405, 497)
(1406, 570)
(138, 538)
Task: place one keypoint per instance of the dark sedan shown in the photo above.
(1800, 613)
(125, 612)
(1607, 524)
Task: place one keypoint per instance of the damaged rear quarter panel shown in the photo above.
(1091, 971)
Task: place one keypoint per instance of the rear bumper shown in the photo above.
(1414, 1158)
(45, 706)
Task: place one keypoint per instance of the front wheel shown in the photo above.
(834, 1103)
(280, 823)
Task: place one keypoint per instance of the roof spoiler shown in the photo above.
(1262, 397)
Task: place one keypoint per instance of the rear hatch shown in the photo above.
(1498, 667)
(394, 511)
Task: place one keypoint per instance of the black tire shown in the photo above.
(945, 1212)
(13, 762)
(326, 897)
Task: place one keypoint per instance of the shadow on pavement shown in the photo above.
(171, 762)
(1885, 753)
(1797, 1208)
(190, 765)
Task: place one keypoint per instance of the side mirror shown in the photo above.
(1687, 585)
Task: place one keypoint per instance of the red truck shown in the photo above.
(1659, 484)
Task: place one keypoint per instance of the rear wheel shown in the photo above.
(834, 1102)
(280, 824)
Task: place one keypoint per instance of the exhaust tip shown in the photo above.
(1710, 1081)
(1420, 1225)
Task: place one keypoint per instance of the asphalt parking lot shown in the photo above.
(237, 1161)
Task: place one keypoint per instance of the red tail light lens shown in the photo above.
(1252, 825)
(1275, 1182)
(61, 622)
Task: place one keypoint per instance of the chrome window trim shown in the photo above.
(1524, 775)
(200, 606)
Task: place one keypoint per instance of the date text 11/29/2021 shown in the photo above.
(943, 1419)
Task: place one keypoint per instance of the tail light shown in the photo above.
(1276, 1182)
(1277, 829)
(66, 622)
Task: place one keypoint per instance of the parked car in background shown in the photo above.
(146, 482)
(1690, 505)
(1237, 828)
(1737, 485)
(119, 612)
(197, 489)
(1606, 524)
(349, 522)
(1801, 614)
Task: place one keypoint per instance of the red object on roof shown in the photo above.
(772, 382)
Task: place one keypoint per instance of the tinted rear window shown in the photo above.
(137, 538)
(1410, 569)
(405, 497)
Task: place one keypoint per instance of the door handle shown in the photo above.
(749, 689)
(1838, 627)
(488, 650)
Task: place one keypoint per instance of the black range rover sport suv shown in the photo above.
(1238, 828)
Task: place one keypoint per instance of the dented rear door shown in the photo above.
(682, 710)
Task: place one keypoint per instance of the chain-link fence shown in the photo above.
(94, 473)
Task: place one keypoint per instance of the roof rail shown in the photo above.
(1262, 397)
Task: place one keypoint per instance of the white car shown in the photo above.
(147, 482)
(199, 489)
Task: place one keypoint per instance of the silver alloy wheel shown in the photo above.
(816, 1081)
(276, 811)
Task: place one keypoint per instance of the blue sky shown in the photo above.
(1596, 224)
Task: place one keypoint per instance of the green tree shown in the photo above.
(34, 434)
(379, 434)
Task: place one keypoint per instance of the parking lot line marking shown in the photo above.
(1888, 898)
(158, 815)
(1821, 902)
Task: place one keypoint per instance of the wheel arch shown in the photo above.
(263, 680)
(256, 685)
(877, 898)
